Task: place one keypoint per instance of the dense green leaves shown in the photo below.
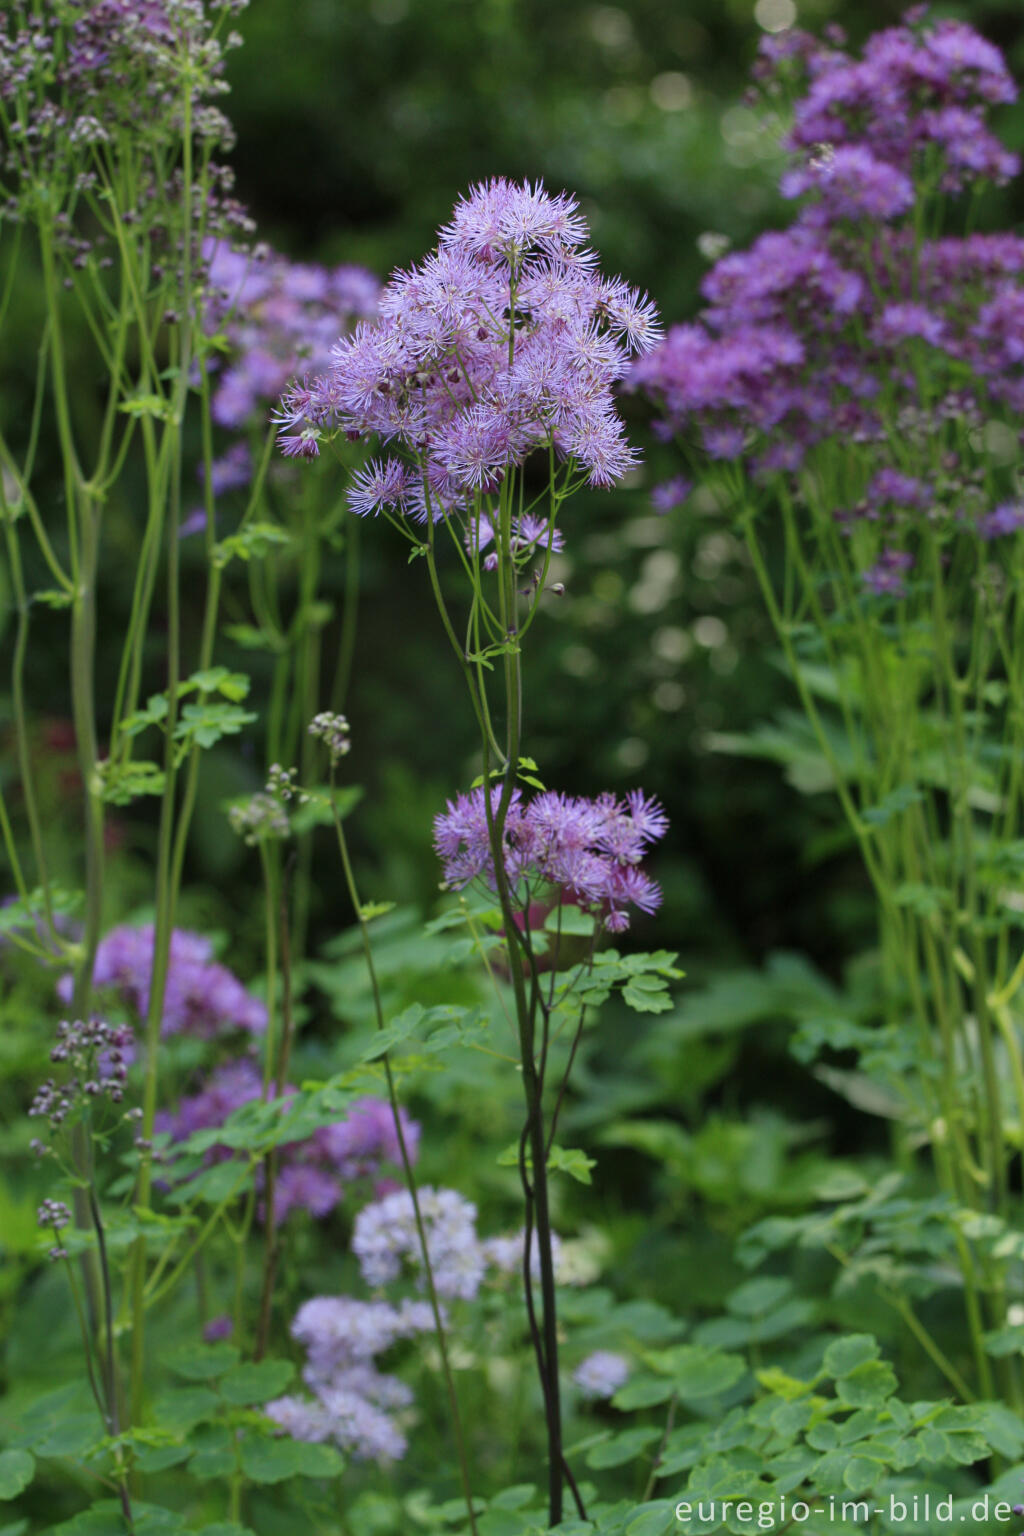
(17, 1469)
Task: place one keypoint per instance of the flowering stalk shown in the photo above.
(106, 113)
(850, 381)
(504, 342)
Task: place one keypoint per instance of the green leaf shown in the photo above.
(394, 1033)
(73, 1436)
(249, 637)
(121, 783)
(894, 804)
(643, 1392)
(922, 900)
(506, 1522)
(213, 1452)
(182, 1407)
(570, 921)
(157, 1458)
(254, 540)
(207, 723)
(845, 1355)
(231, 685)
(151, 405)
(257, 1382)
(1001, 1427)
(823, 1436)
(514, 1497)
(860, 1474)
(572, 1161)
(107, 1519)
(779, 1382)
(652, 1518)
(867, 1385)
(620, 1449)
(1005, 1341)
(202, 1362)
(647, 994)
(54, 597)
(29, 911)
(155, 712)
(213, 1462)
(756, 1297)
(697, 1372)
(371, 909)
(17, 1469)
(266, 1459)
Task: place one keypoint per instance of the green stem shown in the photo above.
(407, 1168)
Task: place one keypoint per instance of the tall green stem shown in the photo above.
(407, 1168)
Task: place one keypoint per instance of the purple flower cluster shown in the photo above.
(590, 849)
(201, 997)
(385, 1238)
(352, 1401)
(81, 75)
(914, 105)
(505, 339)
(849, 327)
(311, 1174)
(886, 577)
(386, 1242)
(279, 318)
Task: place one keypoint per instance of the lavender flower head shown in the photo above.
(352, 1401)
(601, 1374)
(590, 849)
(385, 1238)
(279, 318)
(201, 997)
(505, 339)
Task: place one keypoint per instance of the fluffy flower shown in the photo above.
(352, 1401)
(385, 1238)
(503, 340)
(601, 1374)
(590, 849)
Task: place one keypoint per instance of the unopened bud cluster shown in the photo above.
(55, 1215)
(265, 814)
(334, 732)
(98, 1054)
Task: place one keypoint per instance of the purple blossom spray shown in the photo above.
(487, 383)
